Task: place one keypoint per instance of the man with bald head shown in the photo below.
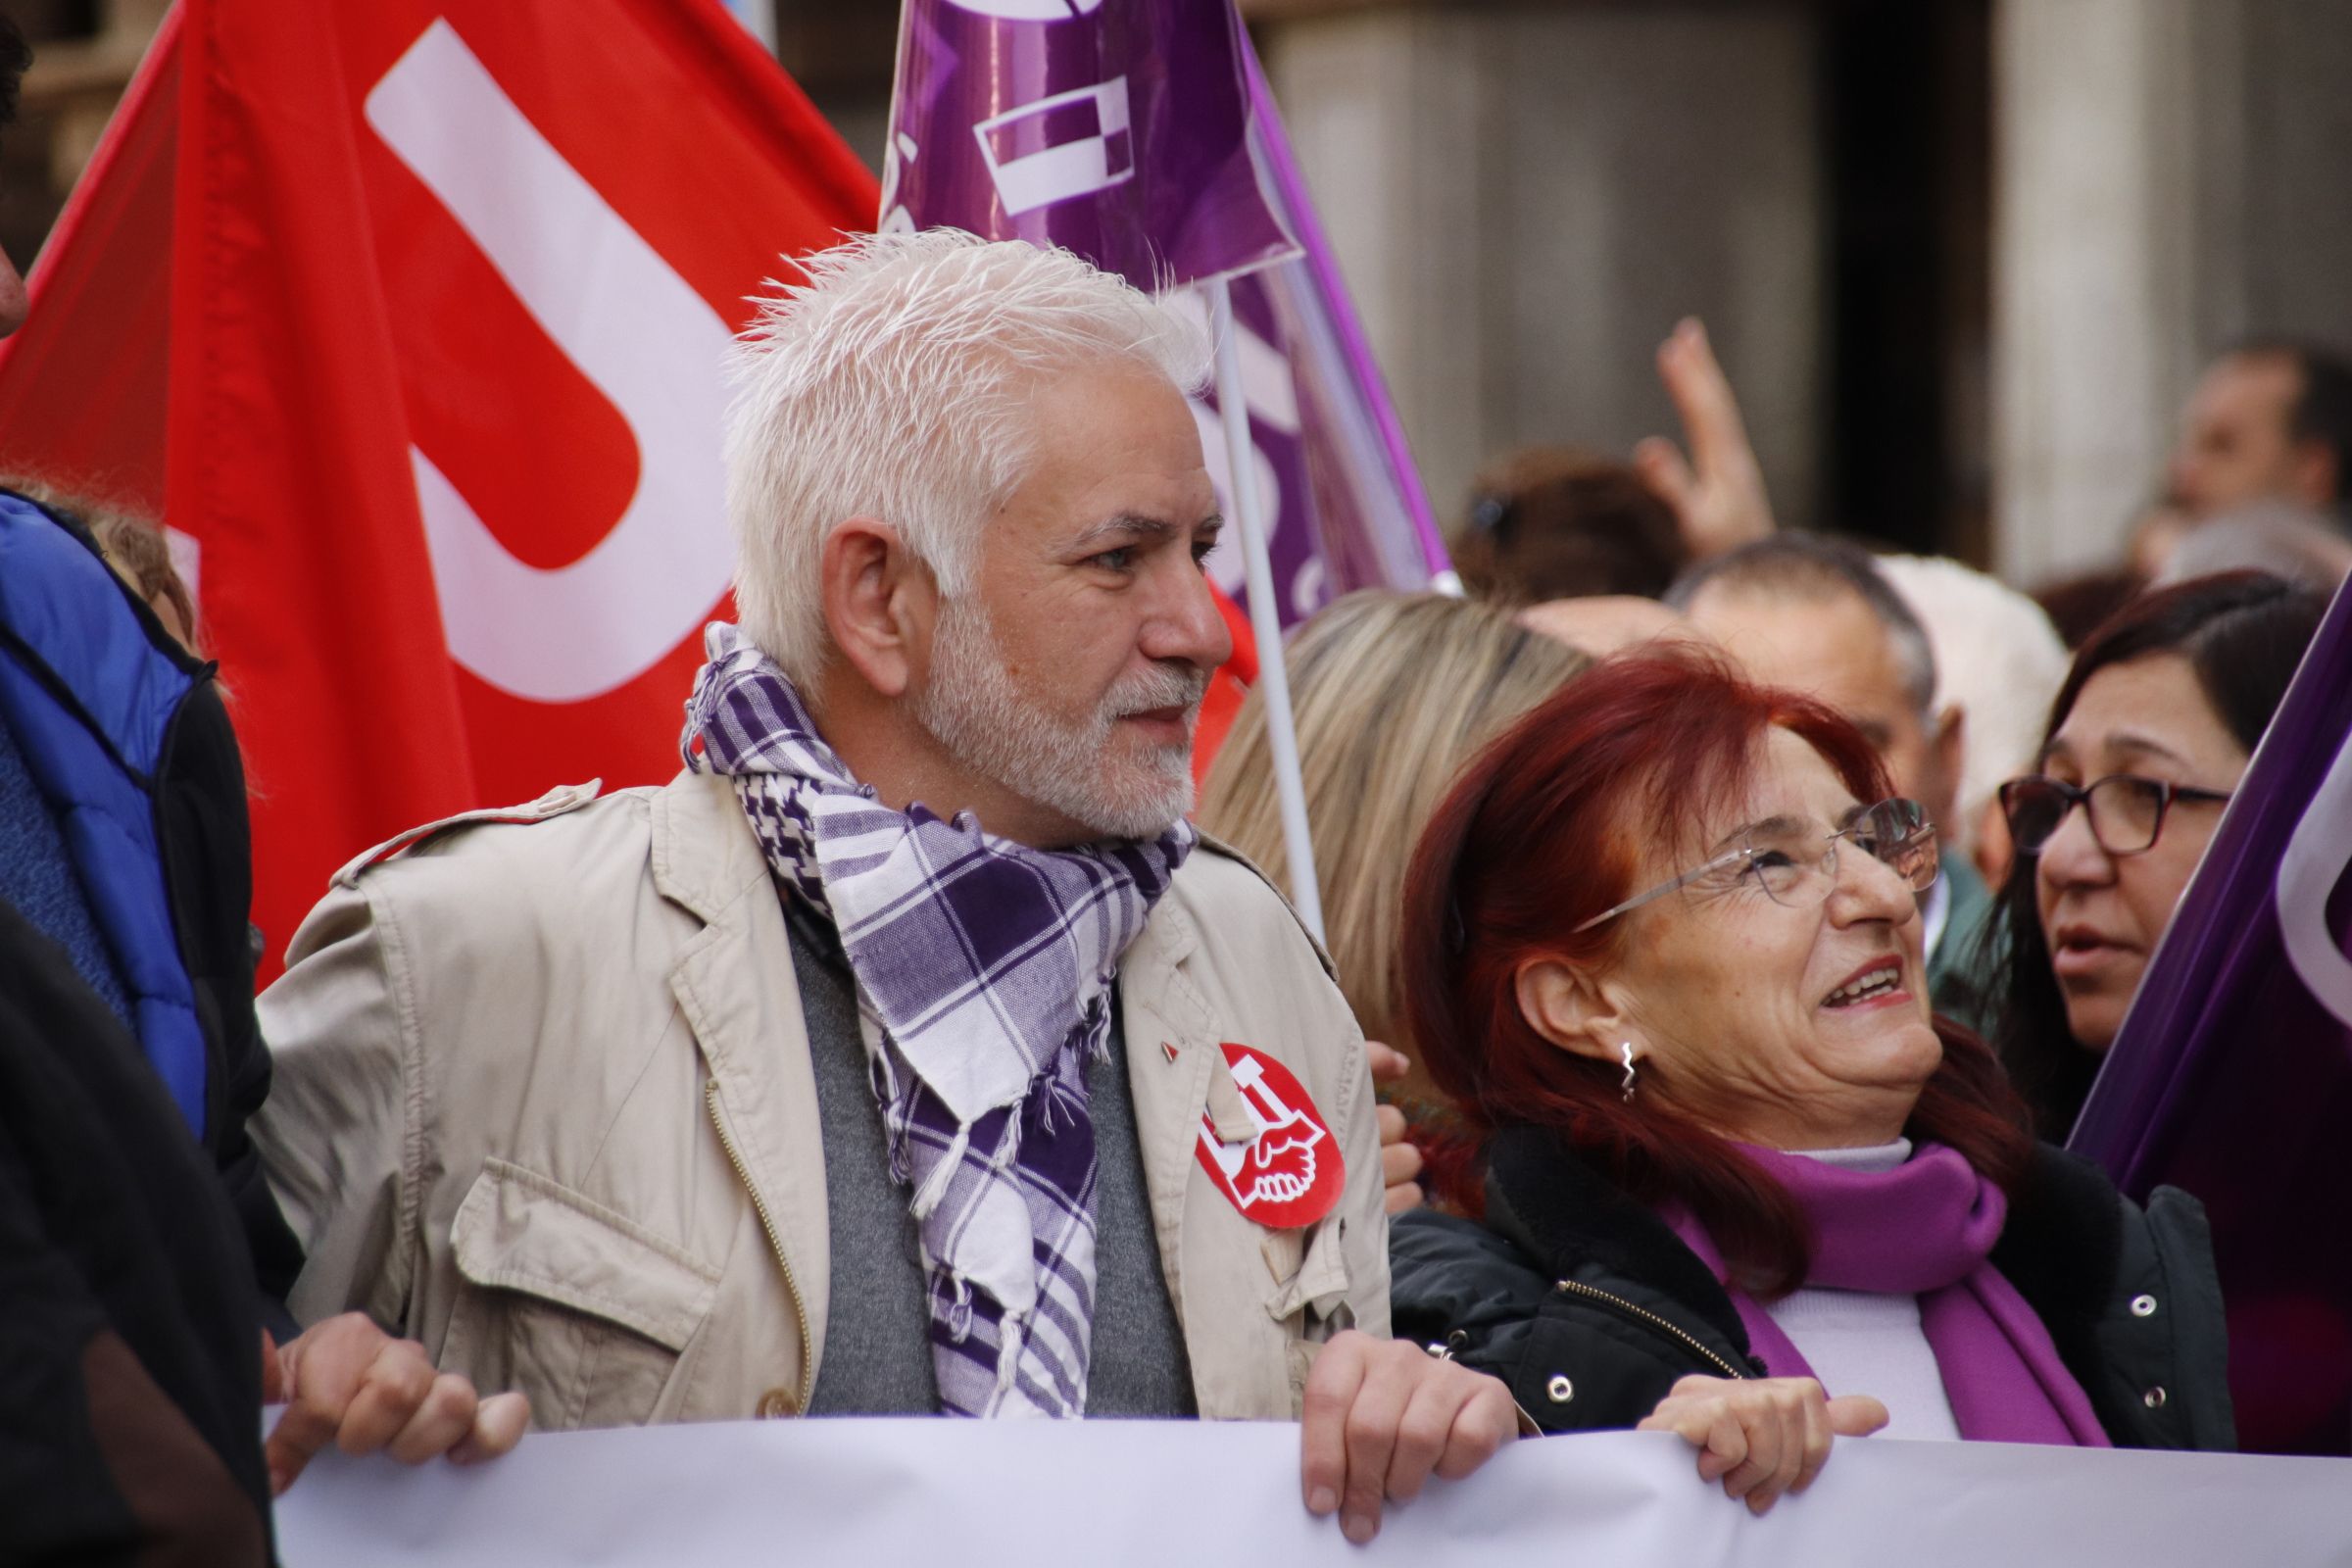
(1815, 615)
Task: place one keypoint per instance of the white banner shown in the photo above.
(1188, 1495)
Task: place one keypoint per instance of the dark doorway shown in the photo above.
(1908, 136)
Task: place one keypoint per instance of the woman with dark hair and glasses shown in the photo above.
(2150, 733)
(1662, 946)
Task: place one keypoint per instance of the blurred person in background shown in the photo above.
(2269, 425)
(1550, 523)
(2306, 546)
(138, 552)
(1606, 624)
(1547, 523)
(2080, 605)
(2271, 419)
(135, 546)
(1662, 944)
(1716, 491)
(1816, 615)
(1392, 693)
(2147, 738)
(1999, 662)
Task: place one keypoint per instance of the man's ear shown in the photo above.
(880, 604)
(1574, 1010)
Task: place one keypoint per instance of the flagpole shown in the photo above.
(1265, 618)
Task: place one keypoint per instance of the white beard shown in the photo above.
(971, 708)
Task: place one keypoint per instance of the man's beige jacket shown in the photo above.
(543, 1102)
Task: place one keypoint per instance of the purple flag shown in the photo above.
(1120, 131)
(1004, 123)
(1356, 513)
(2231, 1076)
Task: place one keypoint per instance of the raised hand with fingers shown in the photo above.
(1718, 493)
(1761, 1436)
(1399, 1161)
(1382, 1417)
(348, 1383)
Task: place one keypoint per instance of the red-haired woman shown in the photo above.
(1662, 944)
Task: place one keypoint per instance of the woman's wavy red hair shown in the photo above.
(1547, 829)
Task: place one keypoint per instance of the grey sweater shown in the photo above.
(877, 1352)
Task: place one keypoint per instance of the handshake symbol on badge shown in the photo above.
(1290, 1173)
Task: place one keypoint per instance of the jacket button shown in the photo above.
(2154, 1397)
(2144, 1306)
(1559, 1388)
(776, 1403)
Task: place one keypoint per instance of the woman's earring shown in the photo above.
(1626, 1050)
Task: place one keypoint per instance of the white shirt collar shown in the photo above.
(1935, 910)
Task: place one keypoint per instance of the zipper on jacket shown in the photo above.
(1643, 1315)
(776, 1243)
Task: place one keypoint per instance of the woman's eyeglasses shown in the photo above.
(1796, 864)
(2126, 812)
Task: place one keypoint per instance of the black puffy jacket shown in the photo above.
(1590, 1309)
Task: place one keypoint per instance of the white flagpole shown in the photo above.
(1265, 620)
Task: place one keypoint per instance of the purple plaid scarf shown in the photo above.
(984, 973)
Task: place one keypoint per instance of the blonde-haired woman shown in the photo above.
(1393, 693)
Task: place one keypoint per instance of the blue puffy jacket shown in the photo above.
(126, 737)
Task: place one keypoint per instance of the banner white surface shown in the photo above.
(1196, 1496)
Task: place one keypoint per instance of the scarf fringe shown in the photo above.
(1012, 1332)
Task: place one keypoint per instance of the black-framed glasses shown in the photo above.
(1796, 863)
(2126, 810)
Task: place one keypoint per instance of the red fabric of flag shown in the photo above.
(449, 282)
(82, 383)
(1228, 688)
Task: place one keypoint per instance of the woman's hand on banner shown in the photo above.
(1761, 1436)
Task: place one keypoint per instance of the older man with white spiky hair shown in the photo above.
(909, 1052)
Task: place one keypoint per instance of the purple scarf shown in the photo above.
(984, 973)
(1926, 1229)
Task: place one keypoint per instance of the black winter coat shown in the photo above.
(131, 1373)
(1590, 1309)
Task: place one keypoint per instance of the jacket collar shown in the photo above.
(1563, 1212)
(704, 854)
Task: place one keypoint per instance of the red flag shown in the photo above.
(82, 383)
(1228, 688)
(449, 286)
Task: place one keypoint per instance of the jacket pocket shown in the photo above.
(584, 1311)
(1310, 1275)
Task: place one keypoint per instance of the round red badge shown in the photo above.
(1292, 1172)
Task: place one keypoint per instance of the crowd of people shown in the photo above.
(1725, 922)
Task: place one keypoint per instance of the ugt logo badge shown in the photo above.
(1291, 1173)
